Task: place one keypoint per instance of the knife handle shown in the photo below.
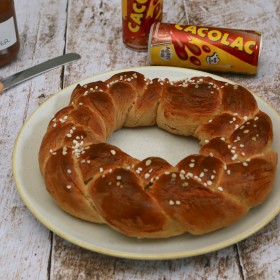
(1, 87)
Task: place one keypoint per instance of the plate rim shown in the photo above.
(119, 253)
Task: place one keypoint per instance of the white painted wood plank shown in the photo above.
(26, 244)
(77, 263)
(260, 254)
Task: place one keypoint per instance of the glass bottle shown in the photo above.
(9, 39)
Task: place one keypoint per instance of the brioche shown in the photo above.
(97, 182)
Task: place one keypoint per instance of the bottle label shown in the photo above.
(137, 18)
(8, 35)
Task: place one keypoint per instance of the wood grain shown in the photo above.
(93, 29)
(28, 243)
(218, 265)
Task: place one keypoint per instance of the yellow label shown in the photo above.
(166, 55)
(218, 36)
(205, 48)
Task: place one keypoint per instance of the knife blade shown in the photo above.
(36, 70)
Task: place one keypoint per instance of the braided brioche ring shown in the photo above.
(233, 172)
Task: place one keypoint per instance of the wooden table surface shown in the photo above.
(48, 28)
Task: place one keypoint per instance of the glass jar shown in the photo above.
(9, 39)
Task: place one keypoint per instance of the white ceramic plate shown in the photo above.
(140, 143)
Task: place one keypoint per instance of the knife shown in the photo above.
(36, 70)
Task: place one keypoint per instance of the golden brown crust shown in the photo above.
(233, 172)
